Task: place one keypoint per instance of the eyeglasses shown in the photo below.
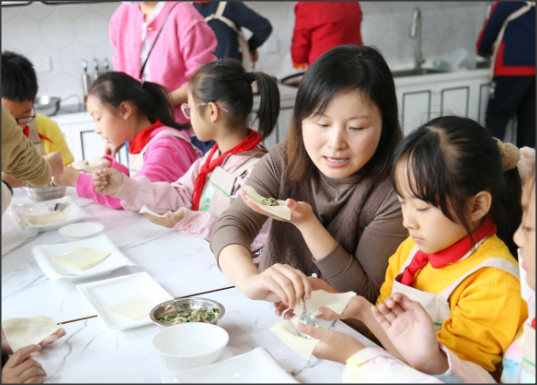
(26, 119)
(186, 108)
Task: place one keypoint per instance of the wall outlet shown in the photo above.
(42, 63)
(271, 46)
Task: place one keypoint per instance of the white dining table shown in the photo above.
(181, 264)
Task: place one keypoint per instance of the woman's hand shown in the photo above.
(277, 283)
(411, 331)
(316, 284)
(301, 212)
(21, 368)
(170, 219)
(68, 178)
(56, 162)
(334, 346)
(108, 181)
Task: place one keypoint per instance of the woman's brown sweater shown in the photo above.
(366, 222)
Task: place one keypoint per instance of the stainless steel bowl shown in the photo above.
(47, 105)
(173, 306)
(44, 193)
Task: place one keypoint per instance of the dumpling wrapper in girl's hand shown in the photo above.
(281, 210)
(146, 210)
(289, 335)
(335, 301)
(90, 165)
(134, 308)
(82, 259)
(47, 218)
(21, 332)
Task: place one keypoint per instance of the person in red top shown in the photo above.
(323, 25)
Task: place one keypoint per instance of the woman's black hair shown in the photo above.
(114, 88)
(344, 69)
(449, 160)
(226, 82)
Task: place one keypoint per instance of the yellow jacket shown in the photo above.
(49, 128)
(20, 158)
(486, 308)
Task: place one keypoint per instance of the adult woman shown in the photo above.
(184, 45)
(336, 163)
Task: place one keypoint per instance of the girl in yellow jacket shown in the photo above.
(461, 206)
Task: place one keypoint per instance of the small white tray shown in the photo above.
(111, 291)
(81, 230)
(256, 366)
(19, 213)
(44, 255)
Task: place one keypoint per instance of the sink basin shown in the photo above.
(416, 72)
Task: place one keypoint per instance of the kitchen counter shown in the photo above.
(182, 265)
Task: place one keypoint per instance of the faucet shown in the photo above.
(415, 31)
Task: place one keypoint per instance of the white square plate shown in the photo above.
(44, 255)
(111, 291)
(19, 213)
(257, 366)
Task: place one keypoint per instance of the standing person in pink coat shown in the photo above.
(185, 43)
(125, 109)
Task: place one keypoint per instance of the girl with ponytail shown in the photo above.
(126, 109)
(220, 101)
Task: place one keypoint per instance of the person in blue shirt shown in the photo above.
(509, 37)
(225, 19)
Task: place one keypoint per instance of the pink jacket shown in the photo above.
(167, 158)
(185, 44)
(162, 197)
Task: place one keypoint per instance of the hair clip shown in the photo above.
(249, 77)
(219, 62)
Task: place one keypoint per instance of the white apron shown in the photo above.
(437, 306)
(527, 366)
(136, 161)
(33, 137)
(519, 12)
(222, 183)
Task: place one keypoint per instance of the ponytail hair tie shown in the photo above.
(219, 62)
(510, 154)
(249, 77)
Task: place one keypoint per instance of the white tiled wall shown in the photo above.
(70, 33)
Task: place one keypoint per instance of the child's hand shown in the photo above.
(6, 349)
(21, 368)
(108, 181)
(110, 149)
(170, 220)
(56, 162)
(301, 212)
(68, 178)
(334, 346)
(411, 330)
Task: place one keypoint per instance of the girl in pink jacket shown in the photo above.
(220, 101)
(126, 109)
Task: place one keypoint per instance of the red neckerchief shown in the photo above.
(533, 323)
(249, 143)
(449, 255)
(26, 132)
(142, 138)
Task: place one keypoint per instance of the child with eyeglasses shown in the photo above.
(19, 89)
(220, 101)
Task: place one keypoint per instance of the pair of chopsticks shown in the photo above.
(183, 296)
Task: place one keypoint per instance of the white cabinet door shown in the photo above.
(414, 107)
(284, 122)
(455, 101)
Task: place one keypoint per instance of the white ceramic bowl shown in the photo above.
(81, 230)
(190, 345)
